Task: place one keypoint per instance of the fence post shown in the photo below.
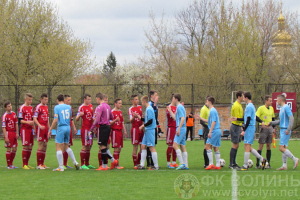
(16, 97)
(148, 88)
(115, 91)
(193, 97)
(50, 101)
(82, 92)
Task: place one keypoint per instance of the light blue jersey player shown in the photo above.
(249, 133)
(149, 135)
(62, 117)
(285, 122)
(214, 136)
(180, 137)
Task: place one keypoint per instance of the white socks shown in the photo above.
(185, 158)
(60, 159)
(289, 154)
(154, 158)
(246, 158)
(210, 156)
(218, 156)
(71, 155)
(143, 157)
(284, 159)
(179, 156)
(112, 158)
(256, 154)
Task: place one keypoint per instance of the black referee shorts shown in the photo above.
(103, 136)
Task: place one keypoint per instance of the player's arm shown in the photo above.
(98, 113)
(37, 123)
(171, 112)
(54, 123)
(291, 120)
(79, 114)
(212, 126)
(5, 134)
(17, 129)
(131, 116)
(124, 130)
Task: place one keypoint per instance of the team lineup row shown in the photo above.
(108, 125)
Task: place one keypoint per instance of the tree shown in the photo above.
(111, 63)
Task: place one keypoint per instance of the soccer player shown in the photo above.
(249, 132)
(180, 137)
(27, 124)
(153, 102)
(85, 112)
(171, 132)
(204, 113)
(266, 114)
(62, 118)
(117, 129)
(285, 122)
(214, 135)
(236, 129)
(103, 116)
(149, 135)
(10, 130)
(135, 115)
(68, 101)
(41, 120)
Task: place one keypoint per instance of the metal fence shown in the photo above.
(192, 94)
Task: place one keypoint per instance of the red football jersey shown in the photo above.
(87, 118)
(117, 125)
(171, 121)
(139, 110)
(42, 114)
(9, 121)
(26, 114)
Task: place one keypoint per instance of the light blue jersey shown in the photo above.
(63, 113)
(180, 112)
(250, 112)
(284, 114)
(213, 117)
(148, 116)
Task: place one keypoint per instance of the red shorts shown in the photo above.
(27, 137)
(171, 132)
(71, 139)
(136, 135)
(116, 138)
(85, 139)
(13, 142)
(42, 135)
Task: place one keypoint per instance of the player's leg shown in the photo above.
(206, 160)
(218, 157)
(44, 150)
(143, 154)
(169, 148)
(13, 155)
(134, 155)
(154, 157)
(8, 157)
(39, 154)
(268, 146)
(184, 155)
(284, 139)
(235, 132)
(134, 142)
(83, 157)
(261, 141)
(208, 148)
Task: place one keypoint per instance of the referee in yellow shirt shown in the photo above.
(204, 113)
(236, 128)
(266, 114)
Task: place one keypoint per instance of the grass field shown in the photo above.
(131, 184)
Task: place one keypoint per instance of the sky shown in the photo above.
(119, 25)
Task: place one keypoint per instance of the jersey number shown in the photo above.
(66, 114)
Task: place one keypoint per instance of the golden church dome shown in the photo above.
(281, 38)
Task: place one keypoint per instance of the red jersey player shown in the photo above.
(25, 116)
(10, 130)
(85, 111)
(41, 119)
(117, 129)
(135, 114)
(68, 101)
(171, 132)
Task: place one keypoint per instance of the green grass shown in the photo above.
(132, 184)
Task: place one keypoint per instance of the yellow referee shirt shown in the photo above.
(204, 112)
(265, 114)
(238, 112)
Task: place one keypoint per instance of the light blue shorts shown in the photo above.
(284, 138)
(215, 139)
(249, 135)
(149, 138)
(63, 134)
(181, 139)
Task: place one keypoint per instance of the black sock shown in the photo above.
(206, 161)
(234, 157)
(231, 156)
(269, 156)
(257, 159)
(104, 156)
(149, 157)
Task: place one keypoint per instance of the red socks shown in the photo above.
(65, 155)
(8, 158)
(135, 160)
(116, 155)
(39, 157)
(174, 155)
(82, 157)
(100, 157)
(87, 157)
(26, 153)
(169, 153)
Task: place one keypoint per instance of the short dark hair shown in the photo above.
(282, 97)
(248, 95)
(267, 97)
(6, 104)
(211, 99)
(101, 96)
(239, 94)
(116, 100)
(133, 96)
(177, 96)
(152, 92)
(86, 95)
(66, 95)
(44, 95)
(61, 97)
